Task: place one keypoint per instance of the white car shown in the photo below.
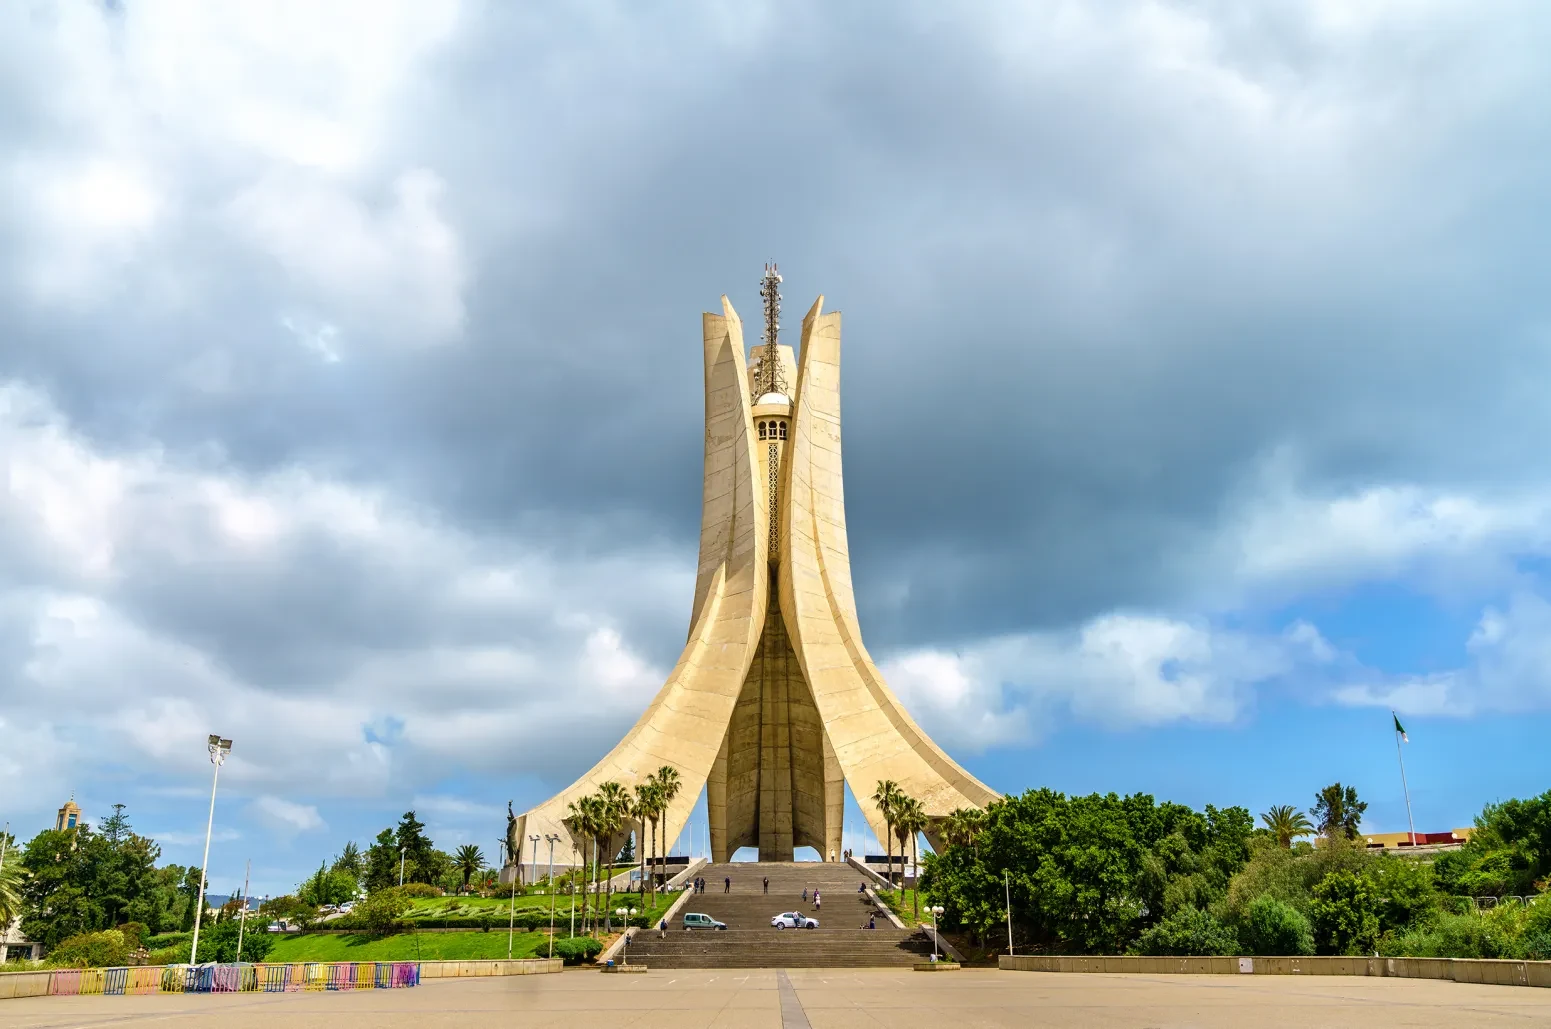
(794, 920)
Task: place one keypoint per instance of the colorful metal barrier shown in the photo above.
(344, 975)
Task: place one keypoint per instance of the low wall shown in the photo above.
(462, 969)
(1463, 970)
(262, 978)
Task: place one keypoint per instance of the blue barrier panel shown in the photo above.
(114, 981)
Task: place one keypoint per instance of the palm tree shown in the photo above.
(1286, 823)
(641, 810)
(582, 821)
(11, 875)
(884, 796)
(468, 860)
(910, 818)
(653, 812)
(668, 783)
(614, 802)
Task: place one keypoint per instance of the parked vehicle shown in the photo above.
(693, 920)
(794, 920)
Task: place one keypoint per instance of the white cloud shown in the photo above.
(438, 651)
(286, 816)
(1508, 669)
(1116, 670)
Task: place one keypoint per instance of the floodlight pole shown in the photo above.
(242, 919)
(511, 913)
(535, 841)
(553, 839)
(402, 851)
(218, 749)
(1007, 883)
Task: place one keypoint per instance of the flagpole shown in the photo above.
(1404, 788)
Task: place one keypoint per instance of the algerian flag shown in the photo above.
(1400, 728)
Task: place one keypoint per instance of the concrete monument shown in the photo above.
(774, 704)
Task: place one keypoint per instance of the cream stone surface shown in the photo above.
(774, 703)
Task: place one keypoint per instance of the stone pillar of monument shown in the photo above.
(774, 704)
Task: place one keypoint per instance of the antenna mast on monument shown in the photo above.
(771, 378)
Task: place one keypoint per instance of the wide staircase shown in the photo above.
(749, 941)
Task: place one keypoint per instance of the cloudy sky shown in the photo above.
(1196, 376)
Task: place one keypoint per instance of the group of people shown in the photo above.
(699, 885)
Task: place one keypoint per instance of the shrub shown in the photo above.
(420, 890)
(379, 914)
(577, 949)
(174, 955)
(1275, 928)
(91, 950)
(1188, 932)
(1407, 893)
(162, 941)
(1272, 871)
(1345, 914)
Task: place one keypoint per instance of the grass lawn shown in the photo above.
(902, 903)
(439, 907)
(407, 947)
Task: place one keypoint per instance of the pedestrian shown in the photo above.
(805, 894)
(767, 884)
(815, 900)
(662, 929)
(727, 885)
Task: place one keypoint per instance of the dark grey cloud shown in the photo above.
(429, 286)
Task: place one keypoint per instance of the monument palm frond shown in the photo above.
(1286, 823)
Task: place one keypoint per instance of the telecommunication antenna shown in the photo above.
(771, 378)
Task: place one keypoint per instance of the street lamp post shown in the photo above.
(626, 914)
(535, 841)
(553, 839)
(401, 863)
(218, 749)
(936, 910)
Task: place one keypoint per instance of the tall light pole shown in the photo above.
(553, 839)
(1007, 885)
(242, 919)
(218, 749)
(401, 863)
(535, 841)
(511, 911)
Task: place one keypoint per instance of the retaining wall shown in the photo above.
(1464, 970)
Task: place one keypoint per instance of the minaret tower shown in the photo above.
(774, 704)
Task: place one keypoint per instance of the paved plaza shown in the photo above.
(848, 999)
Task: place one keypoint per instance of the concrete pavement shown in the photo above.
(824, 999)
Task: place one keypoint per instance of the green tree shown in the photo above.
(351, 862)
(1275, 928)
(327, 887)
(382, 862)
(11, 875)
(669, 784)
(1345, 914)
(1188, 932)
(1337, 811)
(421, 864)
(470, 859)
(1286, 823)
